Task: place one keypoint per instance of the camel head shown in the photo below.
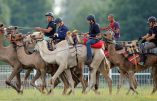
(17, 39)
(31, 39)
(37, 35)
(69, 37)
(73, 37)
(12, 30)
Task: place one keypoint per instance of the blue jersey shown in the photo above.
(62, 30)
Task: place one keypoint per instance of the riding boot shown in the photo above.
(89, 61)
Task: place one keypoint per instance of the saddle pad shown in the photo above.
(133, 59)
(99, 44)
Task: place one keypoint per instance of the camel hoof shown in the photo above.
(20, 92)
(97, 92)
(49, 92)
(8, 83)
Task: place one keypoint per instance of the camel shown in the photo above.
(8, 54)
(75, 72)
(103, 66)
(37, 63)
(62, 44)
(122, 63)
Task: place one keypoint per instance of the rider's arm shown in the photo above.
(105, 28)
(44, 30)
(146, 36)
(151, 37)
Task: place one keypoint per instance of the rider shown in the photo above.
(51, 27)
(50, 30)
(114, 26)
(61, 31)
(93, 32)
(150, 38)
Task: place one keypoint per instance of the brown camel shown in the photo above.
(8, 54)
(122, 63)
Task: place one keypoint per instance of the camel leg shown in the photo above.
(97, 83)
(18, 83)
(66, 84)
(70, 79)
(81, 78)
(43, 77)
(13, 74)
(120, 83)
(76, 80)
(131, 78)
(106, 76)
(56, 75)
(25, 78)
(37, 75)
(92, 80)
(97, 80)
(134, 83)
(154, 76)
(57, 82)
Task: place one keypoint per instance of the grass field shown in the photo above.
(34, 95)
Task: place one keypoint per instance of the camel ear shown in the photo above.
(75, 32)
(68, 33)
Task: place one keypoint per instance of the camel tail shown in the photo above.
(107, 65)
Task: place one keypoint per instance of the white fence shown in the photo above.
(143, 78)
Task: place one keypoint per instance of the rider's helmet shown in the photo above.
(90, 17)
(49, 14)
(58, 20)
(152, 19)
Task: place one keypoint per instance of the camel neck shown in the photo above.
(23, 56)
(111, 49)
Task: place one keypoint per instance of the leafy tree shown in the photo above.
(4, 13)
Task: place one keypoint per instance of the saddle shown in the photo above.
(99, 44)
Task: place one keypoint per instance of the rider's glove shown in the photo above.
(56, 35)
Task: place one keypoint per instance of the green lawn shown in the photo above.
(34, 95)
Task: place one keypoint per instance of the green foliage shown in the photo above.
(24, 12)
(132, 14)
(4, 13)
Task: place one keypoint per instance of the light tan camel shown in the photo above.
(50, 68)
(75, 72)
(101, 65)
(64, 46)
